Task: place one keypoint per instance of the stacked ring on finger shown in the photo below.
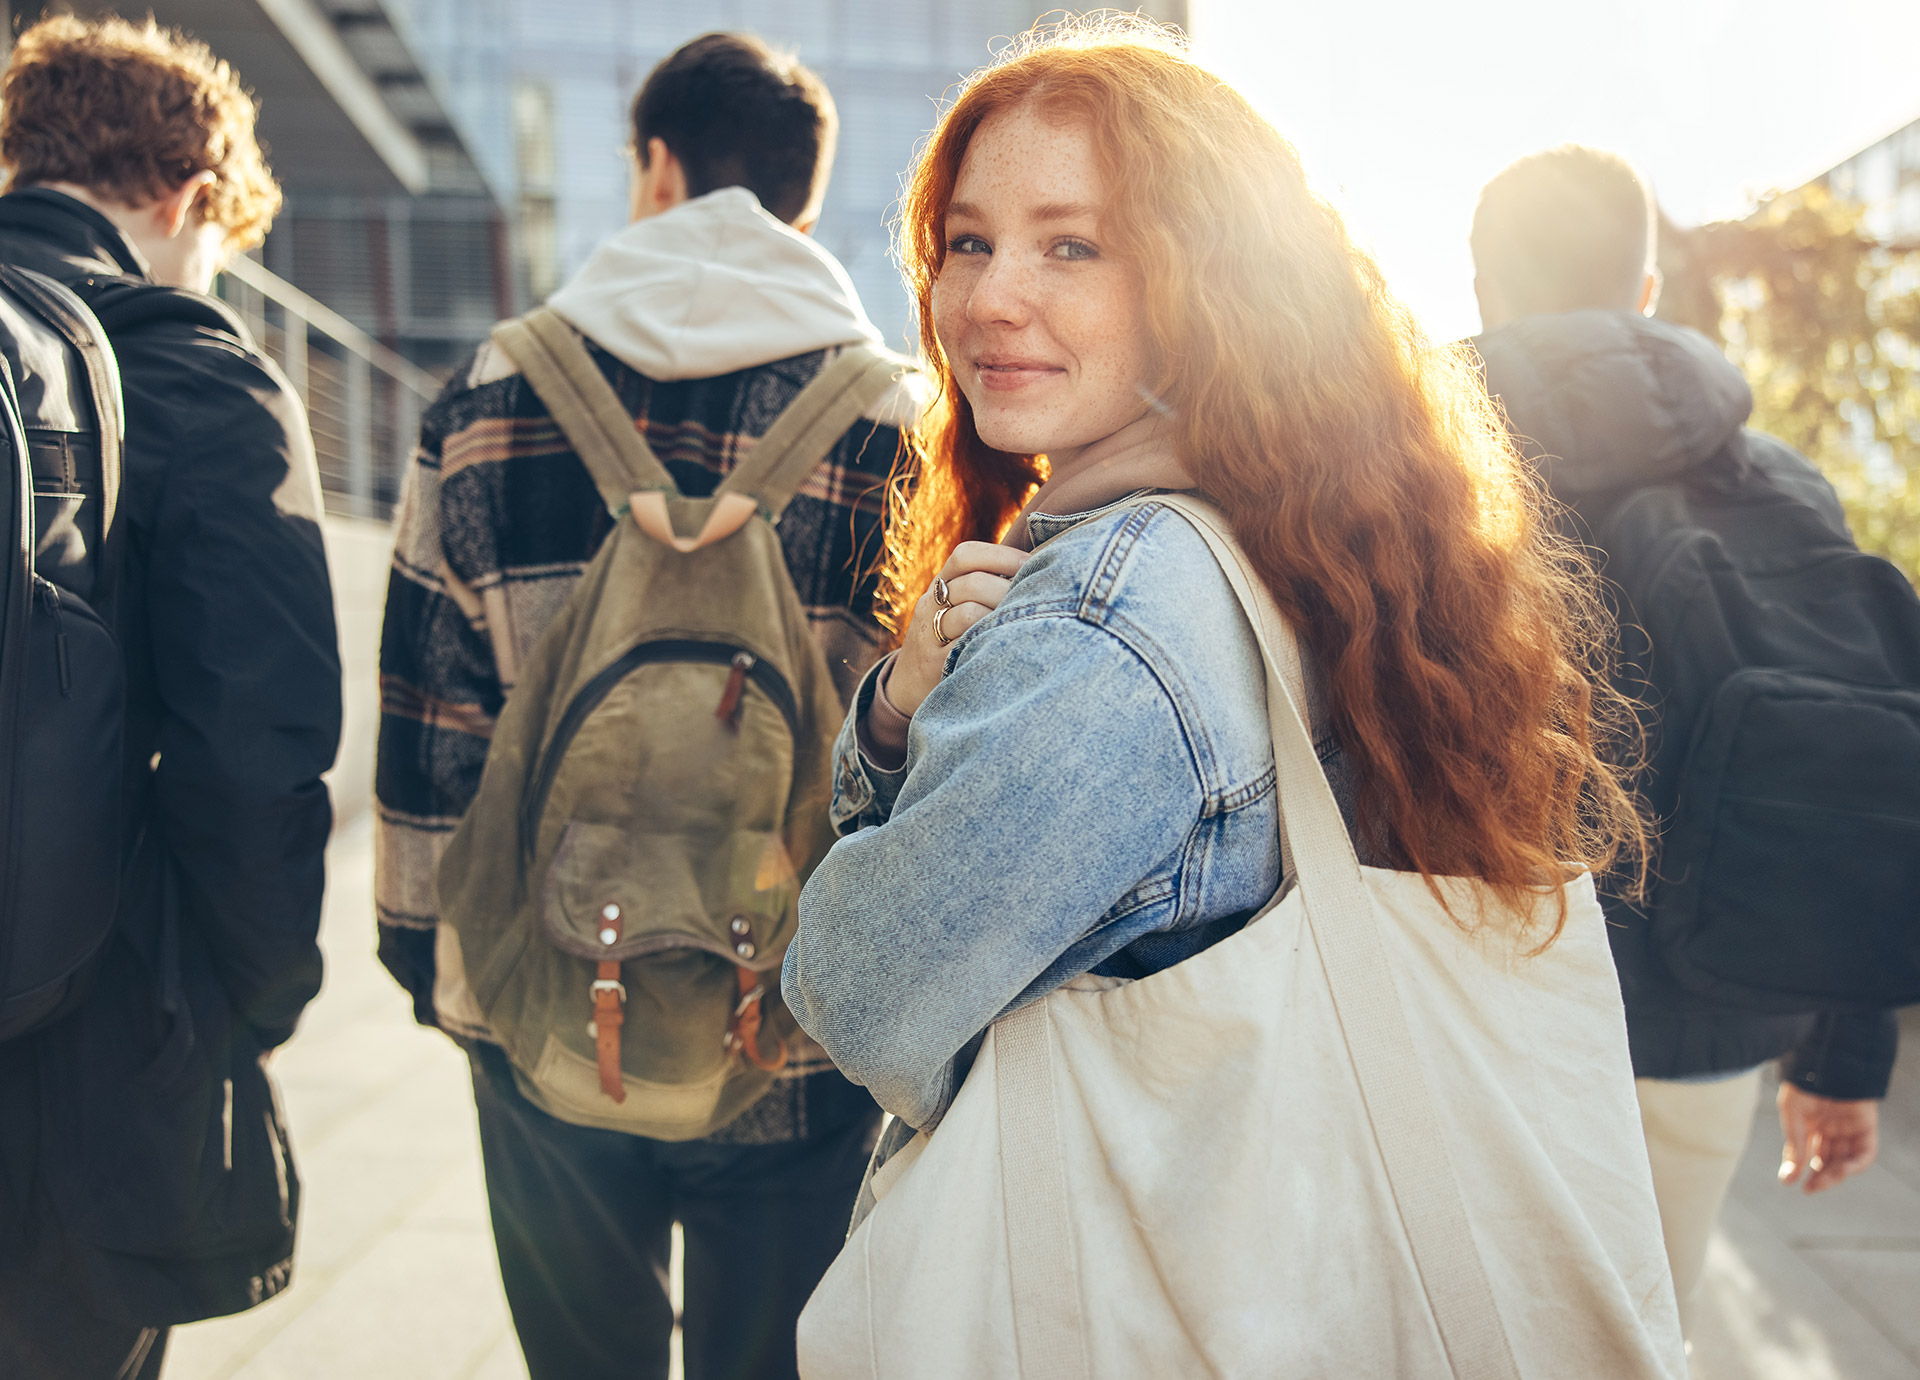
(940, 633)
(942, 595)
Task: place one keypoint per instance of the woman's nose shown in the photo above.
(1002, 293)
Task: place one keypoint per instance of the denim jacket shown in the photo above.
(1090, 789)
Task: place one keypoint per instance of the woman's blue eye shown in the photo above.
(1075, 249)
(968, 244)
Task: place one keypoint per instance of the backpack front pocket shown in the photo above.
(735, 896)
(673, 721)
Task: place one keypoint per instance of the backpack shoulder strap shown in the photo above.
(800, 437)
(63, 309)
(583, 405)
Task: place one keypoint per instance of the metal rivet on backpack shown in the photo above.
(610, 911)
(740, 926)
(593, 1030)
(608, 936)
(744, 948)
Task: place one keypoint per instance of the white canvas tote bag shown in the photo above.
(1354, 1140)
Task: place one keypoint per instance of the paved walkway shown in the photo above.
(1822, 1288)
(395, 1278)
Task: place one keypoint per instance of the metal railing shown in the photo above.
(363, 399)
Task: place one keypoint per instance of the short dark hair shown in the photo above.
(1570, 228)
(738, 114)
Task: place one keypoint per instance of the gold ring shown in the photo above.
(940, 633)
(942, 596)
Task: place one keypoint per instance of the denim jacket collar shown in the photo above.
(1043, 527)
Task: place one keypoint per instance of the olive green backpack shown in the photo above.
(628, 876)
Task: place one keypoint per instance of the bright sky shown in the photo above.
(1403, 108)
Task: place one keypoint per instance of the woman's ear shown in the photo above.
(174, 208)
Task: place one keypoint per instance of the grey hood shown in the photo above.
(712, 286)
(1604, 399)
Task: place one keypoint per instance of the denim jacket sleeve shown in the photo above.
(1014, 831)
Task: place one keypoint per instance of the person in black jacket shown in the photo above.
(1563, 246)
(145, 1177)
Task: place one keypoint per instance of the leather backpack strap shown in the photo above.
(584, 406)
(609, 998)
(1399, 1099)
(819, 415)
(743, 1027)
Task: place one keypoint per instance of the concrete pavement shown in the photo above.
(1821, 1288)
(395, 1276)
(396, 1280)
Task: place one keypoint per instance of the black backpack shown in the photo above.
(1782, 667)
(62, 680)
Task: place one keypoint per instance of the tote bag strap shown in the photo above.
(1049, 1329)
(1048, 1320)
(1399, 1100)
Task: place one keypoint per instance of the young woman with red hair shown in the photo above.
(1126, 288)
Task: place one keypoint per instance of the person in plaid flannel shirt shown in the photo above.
(708, 315)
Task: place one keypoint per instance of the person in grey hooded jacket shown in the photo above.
(1604, 399)
(708, 314)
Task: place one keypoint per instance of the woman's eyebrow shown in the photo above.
(1046, 214)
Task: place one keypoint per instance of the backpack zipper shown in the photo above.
(744, 666)
(49, 594)
(728, 711)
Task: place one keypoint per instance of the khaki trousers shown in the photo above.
(1696, 1133)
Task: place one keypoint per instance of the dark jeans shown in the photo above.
(50, 1333)
(583, 1218)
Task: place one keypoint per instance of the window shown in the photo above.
(533, 135)
(534, 163)
(893, 33)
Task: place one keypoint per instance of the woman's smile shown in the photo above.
(1007, 374)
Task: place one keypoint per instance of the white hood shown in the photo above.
(712, 286)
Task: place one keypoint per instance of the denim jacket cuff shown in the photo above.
(863, 791)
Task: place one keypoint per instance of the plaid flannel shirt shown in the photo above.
(497, 523)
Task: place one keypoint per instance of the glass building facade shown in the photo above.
(541, 90)
(1884, 177)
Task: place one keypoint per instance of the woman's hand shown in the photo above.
(977, 575)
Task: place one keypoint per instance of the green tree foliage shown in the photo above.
(1824, 321)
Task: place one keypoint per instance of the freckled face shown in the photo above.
(1045, 332)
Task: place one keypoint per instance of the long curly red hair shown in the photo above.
(1364, 470)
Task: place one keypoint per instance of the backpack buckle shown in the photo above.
(609, 985)
(743, 1030)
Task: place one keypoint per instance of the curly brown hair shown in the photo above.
(131, 111)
